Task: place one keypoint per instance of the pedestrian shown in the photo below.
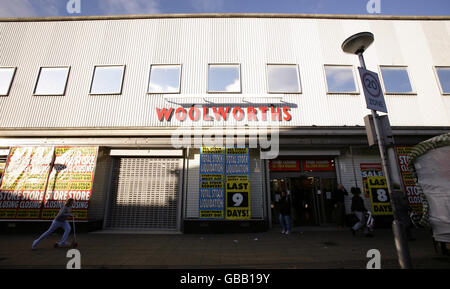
(59, 221)
(359, 210)
(285, 213)
(337, 199)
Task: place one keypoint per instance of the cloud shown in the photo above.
(207, 5)
(30, 8)
(234, 87)
(130, 6)
(17, 8)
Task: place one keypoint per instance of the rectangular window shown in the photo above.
(52, 81)
(396, 80)
(224, 78)
(164, 78)
(340, 79)
(107, 79)
(6, 78)
(443, 75)
(283, 78)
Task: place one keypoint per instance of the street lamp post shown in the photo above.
(357, 44)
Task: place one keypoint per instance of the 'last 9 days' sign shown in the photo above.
(224, 183)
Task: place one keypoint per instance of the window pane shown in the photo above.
(340, 79)
(164, 79)
(396, 80)
(107, 79)
(283, 78)
(6, 76)
(224, 78)
(52, 81)
(444, 78)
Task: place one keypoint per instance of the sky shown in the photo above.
(49, 8)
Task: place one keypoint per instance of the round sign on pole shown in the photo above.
(372, 90)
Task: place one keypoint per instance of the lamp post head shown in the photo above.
(357, 43)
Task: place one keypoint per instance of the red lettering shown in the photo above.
(205, 114)
(235, 112)
(194, 113)
(287, 115)
(251, 113)
(183, 114)
(263, 112)
(220, 112)
(275, 111)
(167, 114)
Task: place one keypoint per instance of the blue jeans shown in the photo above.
(285, 221)
(55, 225)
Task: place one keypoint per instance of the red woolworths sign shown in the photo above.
(223, 113)
(284, 165)
(318, 165)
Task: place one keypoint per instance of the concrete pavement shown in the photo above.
(303, 248)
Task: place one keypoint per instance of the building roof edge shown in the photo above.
(223, 15)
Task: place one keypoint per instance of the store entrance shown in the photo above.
(309, 196)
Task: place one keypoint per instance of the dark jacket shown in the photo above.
(285, 206)
(338, 196)
(358, 204)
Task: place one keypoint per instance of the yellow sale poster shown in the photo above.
(237, 195)
(72, 176)
(379, 196)
(23, 183)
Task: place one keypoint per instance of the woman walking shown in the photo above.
(59, 221)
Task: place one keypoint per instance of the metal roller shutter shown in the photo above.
(145, 194)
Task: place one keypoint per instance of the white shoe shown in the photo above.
(287, 232)
(282, 232)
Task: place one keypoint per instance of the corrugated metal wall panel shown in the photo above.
(100, 187)
(192, 192)
(256, 186)
(193, 42)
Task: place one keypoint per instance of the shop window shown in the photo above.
(51, 81)
(443, 75)
(283, 78)
(164, 79)
(340, 79)
(396, 80)
(6, 78)
(224, 78)
(107, 79)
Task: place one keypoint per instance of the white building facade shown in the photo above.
(134, 86)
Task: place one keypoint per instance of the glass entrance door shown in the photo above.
(305, 206)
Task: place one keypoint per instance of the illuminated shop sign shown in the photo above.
(196, 113)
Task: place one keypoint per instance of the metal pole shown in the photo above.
(401, 242)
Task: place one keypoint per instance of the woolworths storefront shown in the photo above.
(201, 126)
